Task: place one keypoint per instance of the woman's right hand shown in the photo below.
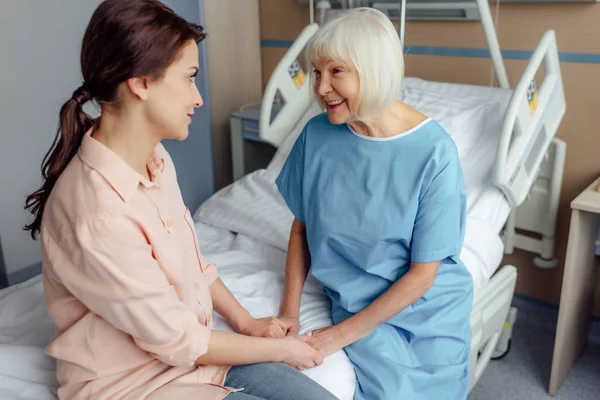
(293, 324)
(297, 353)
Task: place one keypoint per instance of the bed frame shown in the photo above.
(528, 169)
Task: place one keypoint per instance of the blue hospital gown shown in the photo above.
(371, 206)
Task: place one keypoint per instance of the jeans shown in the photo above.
(273, 381)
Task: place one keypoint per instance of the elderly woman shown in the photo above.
(379, 201)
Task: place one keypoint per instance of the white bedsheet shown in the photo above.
(254, 272)
(26, 373)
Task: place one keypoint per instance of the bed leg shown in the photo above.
(503, 345)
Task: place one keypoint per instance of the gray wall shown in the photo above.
(39, 48)
(39, 69)
(193, 157)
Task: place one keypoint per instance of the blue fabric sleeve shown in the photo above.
(439, 228)
(290, 179)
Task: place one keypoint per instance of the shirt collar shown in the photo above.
(123, 179)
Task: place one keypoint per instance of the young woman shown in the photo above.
(129, 293)
(379, 199)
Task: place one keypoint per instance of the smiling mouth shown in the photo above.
(333, 104)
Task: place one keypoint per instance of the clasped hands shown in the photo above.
(325, 341)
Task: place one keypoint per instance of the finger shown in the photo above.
(304, 338)
(283, 325)
(279, 326)
(277, 332)
(319, 359)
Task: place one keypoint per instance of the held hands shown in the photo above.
(293, 324)
(270, 327)
(324, 341)
(328, 340)
(298, 354)
(298, 351)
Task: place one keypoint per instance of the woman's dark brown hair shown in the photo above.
(124, 39)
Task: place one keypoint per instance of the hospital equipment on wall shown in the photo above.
(528, 167)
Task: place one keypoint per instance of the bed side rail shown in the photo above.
(530, 123)
(288, 79)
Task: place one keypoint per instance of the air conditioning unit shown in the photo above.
(431, 10)
(440, 10)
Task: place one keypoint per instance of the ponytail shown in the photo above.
(73, 124)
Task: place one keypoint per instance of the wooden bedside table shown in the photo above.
(578, 286)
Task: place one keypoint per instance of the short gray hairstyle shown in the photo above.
(363, 38)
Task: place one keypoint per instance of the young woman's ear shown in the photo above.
(138, 87)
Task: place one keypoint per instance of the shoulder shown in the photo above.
(320, 120)
(319, 123)
(80, 194)
(436, 153)
(436, 142)
(319, 131)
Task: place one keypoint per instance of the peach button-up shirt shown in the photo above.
(125, 283)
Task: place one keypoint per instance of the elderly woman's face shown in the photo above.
(337, 86)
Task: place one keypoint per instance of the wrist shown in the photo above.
(289, 311)
(242, 323)
(279, 349)
(349, 332)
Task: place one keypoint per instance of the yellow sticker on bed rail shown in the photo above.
(532, 97)
(295, 71)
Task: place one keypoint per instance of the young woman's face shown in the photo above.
(173, 98)
(336, 86)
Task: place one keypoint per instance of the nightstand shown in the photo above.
(248, 151)
(578, 286)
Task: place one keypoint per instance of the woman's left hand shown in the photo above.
(269, 327)
(327, 340)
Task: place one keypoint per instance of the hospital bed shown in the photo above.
(512, 164)
(513, 168)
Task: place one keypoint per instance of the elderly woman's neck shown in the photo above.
(393, 120)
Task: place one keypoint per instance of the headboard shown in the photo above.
(289, 81)
(531, 122)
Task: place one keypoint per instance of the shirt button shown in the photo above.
(196, 286)
(169, 223)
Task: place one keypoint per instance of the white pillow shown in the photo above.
(465, 119)
(252, 206)
(474, 123)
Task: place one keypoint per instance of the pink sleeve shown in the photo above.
(209, 270)
(109, 267)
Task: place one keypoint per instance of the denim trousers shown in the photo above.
(273, 381)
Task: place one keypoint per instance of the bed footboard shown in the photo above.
(490, 311)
